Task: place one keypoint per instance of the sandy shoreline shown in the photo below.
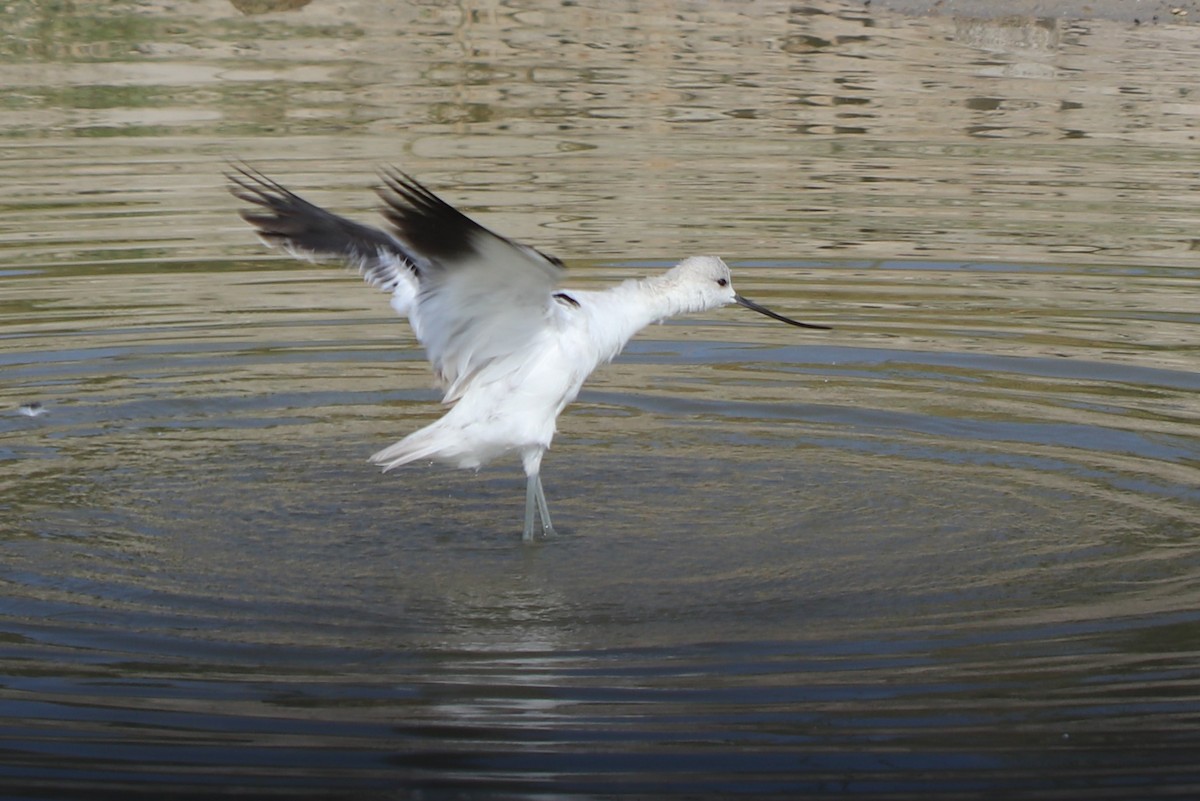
(1143, 12)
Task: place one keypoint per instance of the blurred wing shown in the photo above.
(482, 298)
(284, 219)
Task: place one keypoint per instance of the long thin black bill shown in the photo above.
(749, 304)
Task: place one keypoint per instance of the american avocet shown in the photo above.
(509, 348)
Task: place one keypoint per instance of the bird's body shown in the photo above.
(509, 349)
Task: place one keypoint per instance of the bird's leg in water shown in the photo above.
(543, 508)
(535, 505)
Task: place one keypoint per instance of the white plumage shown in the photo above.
(508, 347)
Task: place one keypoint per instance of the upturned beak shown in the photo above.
(749, 304)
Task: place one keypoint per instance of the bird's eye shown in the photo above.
(722, 282)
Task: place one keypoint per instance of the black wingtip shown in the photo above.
(282, 218)
(428, 224)
(251, 185)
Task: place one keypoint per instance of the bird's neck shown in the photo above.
(620, 312)
(666, 295)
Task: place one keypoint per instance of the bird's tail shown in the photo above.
(418, 445)
(435, 442)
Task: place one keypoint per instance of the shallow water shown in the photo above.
(945, 550)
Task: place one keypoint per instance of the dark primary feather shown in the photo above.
(427, 224)
(441, 236)
(290, 221)
(432, 240)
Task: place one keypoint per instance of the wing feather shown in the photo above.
(284, 219)
(482, 298)
(475, 299)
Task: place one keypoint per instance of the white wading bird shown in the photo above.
(509, 347)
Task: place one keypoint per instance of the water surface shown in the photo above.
(945, 550)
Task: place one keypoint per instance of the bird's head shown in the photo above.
(710, 285)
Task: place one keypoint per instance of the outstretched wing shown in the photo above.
(482, 298)
(286, 220)
(473, 298)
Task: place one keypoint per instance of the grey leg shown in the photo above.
(543, 509)
(532, 490)
(536, 506)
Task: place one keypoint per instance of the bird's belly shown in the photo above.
(503, 417)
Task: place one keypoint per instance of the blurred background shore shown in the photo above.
(1137, 11)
